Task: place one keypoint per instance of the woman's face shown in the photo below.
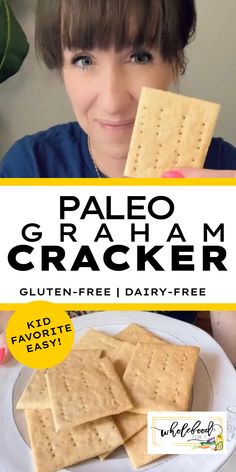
(104, 89)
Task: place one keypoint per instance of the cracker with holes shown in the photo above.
(134, 333)
(93, 339)
(35, 395)
(170, 131)
(55, 450)
(84, 393)
(128, 423)
(160, 377)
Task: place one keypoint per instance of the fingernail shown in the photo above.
(172, 174)
(2, 354)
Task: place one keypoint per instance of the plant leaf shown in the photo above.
(13, 42)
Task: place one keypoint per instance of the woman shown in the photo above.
(105, 52)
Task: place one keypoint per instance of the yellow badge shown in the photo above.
(40, 335)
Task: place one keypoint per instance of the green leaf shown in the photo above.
(13, 42)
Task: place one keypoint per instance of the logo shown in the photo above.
(188, 432)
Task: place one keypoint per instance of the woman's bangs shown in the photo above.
(90, 24)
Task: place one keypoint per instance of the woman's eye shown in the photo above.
(141, 57)
(82, 62)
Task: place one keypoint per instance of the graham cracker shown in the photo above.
(160, 377)
(136, 448)
(93, 339)
(122, 358)
(127, 423)
(35, 394)
(170, 131)
(83, 393)
(56, 450)
(133, 333)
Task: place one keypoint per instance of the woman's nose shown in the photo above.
(115, 94)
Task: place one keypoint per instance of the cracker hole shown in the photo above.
(139, 147)
(184, 117)
(161, 109)
(198, 147)
(203, 124)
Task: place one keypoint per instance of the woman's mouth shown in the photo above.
(116, 126)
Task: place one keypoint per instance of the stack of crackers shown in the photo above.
(98, 398)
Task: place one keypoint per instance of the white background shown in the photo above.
(193, 207)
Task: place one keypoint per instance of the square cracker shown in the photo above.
(136, 448)
(82, 393)
(127, 423)
(93, 339)
(133, 333)
(53, 451)
(35, 395)
(170, 131)
(160, 377)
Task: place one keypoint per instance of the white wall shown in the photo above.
(34, 99)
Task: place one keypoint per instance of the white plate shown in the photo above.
(214, 389)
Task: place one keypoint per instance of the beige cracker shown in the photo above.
(127, 423)
(170, 131)
(53, 451)
(83, 393)
(133, 333)
(122, 358)
(35, 395)
(160, 377)
(93, 339)
(136, 448)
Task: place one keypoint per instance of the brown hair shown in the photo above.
(85, 24)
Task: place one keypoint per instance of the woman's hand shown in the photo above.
(5, 354)
(190, 172)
